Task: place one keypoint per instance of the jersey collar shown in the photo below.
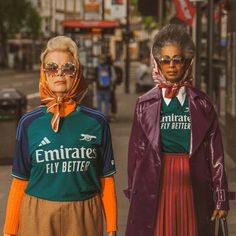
(180, 96)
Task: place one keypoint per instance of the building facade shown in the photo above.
(230, 124)
(53, 12)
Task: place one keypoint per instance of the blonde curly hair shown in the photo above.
(60, 43)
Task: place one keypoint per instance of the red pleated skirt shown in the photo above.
(175, 213)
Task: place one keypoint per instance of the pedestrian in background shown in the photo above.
(144, 81)
(176, 176)
(103, 82)
(63, 165)
(115, 72)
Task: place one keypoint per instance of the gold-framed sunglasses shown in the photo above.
(67, 69)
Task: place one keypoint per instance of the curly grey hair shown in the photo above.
(173, 35)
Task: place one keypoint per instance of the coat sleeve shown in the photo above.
(133, 151)
(219, 180)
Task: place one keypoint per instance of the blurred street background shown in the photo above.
(122, 29)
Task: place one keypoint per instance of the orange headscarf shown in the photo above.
(62, 106)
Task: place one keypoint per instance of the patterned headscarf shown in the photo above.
(172, 89)
(62, 106)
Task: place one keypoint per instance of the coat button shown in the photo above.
(149, 226)
(157, 164)
(131, 222)
(135, 192)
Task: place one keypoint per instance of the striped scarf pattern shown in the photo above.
(172, 89)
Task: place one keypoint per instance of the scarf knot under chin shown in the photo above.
(172, 90)
(64, 105)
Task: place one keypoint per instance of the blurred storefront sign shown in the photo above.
(133, 50)
(91, 5)
(20, 41)
(115, 9)
(185, 11)
(117, 2)
(89, 26)
(24, 53)
(90, 23)
(92, 9)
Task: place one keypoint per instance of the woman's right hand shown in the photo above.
(9, 235)
(220, 213)
(112, 233)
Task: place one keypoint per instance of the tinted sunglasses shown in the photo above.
(166, 60)
(66, 69)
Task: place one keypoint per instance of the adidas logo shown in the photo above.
(45, 141)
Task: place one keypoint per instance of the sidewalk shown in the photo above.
(120, 131)
(120, 135)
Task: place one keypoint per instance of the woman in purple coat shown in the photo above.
(176, 177)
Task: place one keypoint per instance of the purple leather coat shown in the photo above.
(144, 163)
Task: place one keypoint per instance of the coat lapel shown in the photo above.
(150, 120)
(200, 122)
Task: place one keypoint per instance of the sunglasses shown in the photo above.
(166, 60)
(66, 69)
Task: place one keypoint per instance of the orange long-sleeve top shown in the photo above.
(108, 196)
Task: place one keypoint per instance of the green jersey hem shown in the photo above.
(108, 174)
(73, 199)
(19, 176)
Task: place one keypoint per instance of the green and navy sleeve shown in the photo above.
(106, 163)
(22, 160)
(107, 152)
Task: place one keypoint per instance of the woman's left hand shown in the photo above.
(112, 233)
(220, 213)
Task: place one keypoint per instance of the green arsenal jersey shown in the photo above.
(67, 165)
(175, 126)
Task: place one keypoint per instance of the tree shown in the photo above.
(32, 22)
(150, 23)
(16, 16)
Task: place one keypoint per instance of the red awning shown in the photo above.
(90, 23)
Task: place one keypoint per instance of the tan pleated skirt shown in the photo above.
(40, 217)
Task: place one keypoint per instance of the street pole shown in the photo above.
(198, 45)
(160, 12)
(127, 61)
(51, 19)
(103, 9)
(65, 9)
(102, 33)
(210, 30)
(83, 6)
(75, 15)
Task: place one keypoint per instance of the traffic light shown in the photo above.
(148, 7)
